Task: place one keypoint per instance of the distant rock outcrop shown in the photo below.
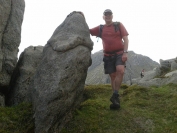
(162, 75)
(11, 14)
(174, 65)
(58, 84)
(134, 66)
(23, 74)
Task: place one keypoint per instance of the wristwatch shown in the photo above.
(125, 51)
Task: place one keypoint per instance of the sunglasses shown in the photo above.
(108, 14)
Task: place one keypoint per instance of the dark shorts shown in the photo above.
(110, 63)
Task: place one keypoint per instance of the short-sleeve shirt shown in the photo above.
(111, 40)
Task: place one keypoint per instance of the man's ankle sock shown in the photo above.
(115, 91)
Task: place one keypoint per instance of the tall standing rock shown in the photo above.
(23, 74)
(58, 83)
(11, 14)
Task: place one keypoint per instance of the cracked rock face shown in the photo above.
(58, 83)
(11, 14)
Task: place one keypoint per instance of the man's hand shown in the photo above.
(124, 57)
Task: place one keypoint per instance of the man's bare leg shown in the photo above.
(112, 77)
(119, 76)
(116, 80)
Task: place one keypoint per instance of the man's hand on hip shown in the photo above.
(124, 57)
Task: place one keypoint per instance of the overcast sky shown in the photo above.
(151, 24)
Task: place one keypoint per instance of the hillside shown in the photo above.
(134, 65)
(143, 110)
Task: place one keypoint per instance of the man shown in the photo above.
(115, 46)
(142, 73)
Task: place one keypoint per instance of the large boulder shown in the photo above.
(165, 64)
(174, 65)
(11, 14)
(152, 78)
(169, 78)
(153, 82)
(152, 74)
(4, 15)
(58, 84)
(23, 74)
(172, 78)
(149, 75)
(170, 74)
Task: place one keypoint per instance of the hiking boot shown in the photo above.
(114, 107)
(115, 99)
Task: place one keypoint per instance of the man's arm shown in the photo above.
(126, 41)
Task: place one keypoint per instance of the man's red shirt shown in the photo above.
(112, 40)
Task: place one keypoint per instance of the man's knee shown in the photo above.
(120, 70)
(112, 75)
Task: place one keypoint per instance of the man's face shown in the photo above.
(108, 17)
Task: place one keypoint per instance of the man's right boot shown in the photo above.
(115, 99)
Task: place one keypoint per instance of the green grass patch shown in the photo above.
(16, 119)
(143, 110)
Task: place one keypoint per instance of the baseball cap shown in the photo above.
(107, 11)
